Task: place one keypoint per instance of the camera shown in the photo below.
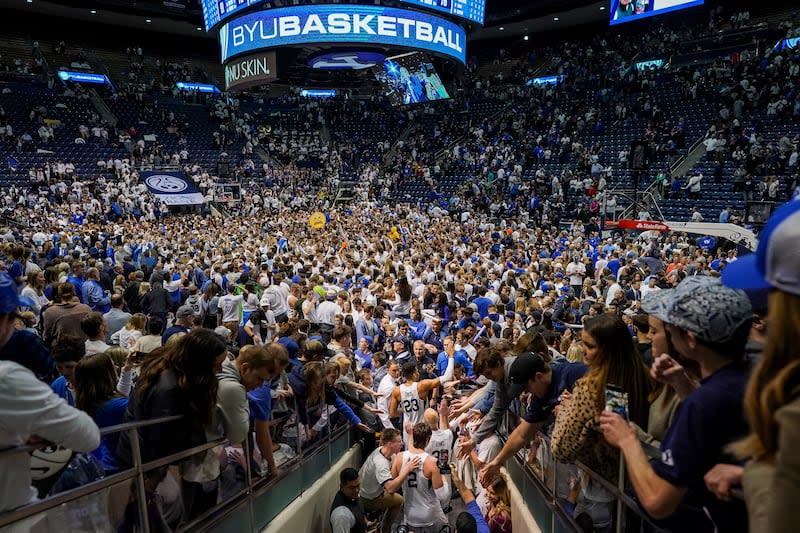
(444, 468)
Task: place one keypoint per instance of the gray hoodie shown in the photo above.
(232, 405)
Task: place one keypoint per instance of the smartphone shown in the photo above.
(617, 401)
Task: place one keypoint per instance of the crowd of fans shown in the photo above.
(426, 325)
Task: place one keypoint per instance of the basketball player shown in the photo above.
(409, 395)
(441, 442)
(423, 489)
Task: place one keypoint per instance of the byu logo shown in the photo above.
(166, 184)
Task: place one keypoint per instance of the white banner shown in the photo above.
(181, 199)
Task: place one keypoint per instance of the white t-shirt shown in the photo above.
(386, 387)
(229, 305)
(375, 471)
(29, 407)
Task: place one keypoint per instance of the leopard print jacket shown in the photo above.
(576, 435)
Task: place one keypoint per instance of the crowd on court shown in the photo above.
(430, 327)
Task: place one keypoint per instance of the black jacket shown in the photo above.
(163, 399)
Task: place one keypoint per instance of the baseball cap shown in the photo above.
(524, 367)
(776, 262)
(400, 338)
(223, 332)
(702, 305)
(184, 311)
(9, 299)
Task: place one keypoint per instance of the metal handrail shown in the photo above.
(103, 432)
(620, 495)
(136, 473)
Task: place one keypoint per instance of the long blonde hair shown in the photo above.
(775, 381)
(503, 506)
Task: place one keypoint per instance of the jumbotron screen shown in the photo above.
(218, 11)
(473, 10)
(410, 79)
(630, 10)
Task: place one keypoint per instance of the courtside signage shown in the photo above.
(341, 24)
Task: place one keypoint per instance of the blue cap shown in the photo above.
(10, 300)
(368, 338)
(291, 346)
(776, 262)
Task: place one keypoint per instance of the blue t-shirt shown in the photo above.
(460, 357)
(61, 388)
(564, 377)
(709, 419)
(480, 521)
(110, 413)
(260, 401)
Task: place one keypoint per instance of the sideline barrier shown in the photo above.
(542, 483)
(250, 508)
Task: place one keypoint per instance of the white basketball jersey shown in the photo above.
(411, 404)
(420, 504)
(440, 445)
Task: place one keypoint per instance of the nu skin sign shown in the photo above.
(341, 24)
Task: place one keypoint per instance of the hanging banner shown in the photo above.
(172, 188)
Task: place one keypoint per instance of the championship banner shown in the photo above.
(172, 188)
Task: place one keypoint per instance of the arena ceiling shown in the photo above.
(503, 17)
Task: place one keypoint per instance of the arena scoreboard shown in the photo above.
(473, 10)
(217, 11)
(341, 25)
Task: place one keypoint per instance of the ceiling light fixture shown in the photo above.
(93, 11)
(602, 8)
(525, 38)
(501, 28)
(555, 18)
(148, 21)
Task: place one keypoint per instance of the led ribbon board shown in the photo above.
(347, 24)
(473, 10)
(82, 77)
(653, 64)
(318, 93)
(544, 80)
(199, 87)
